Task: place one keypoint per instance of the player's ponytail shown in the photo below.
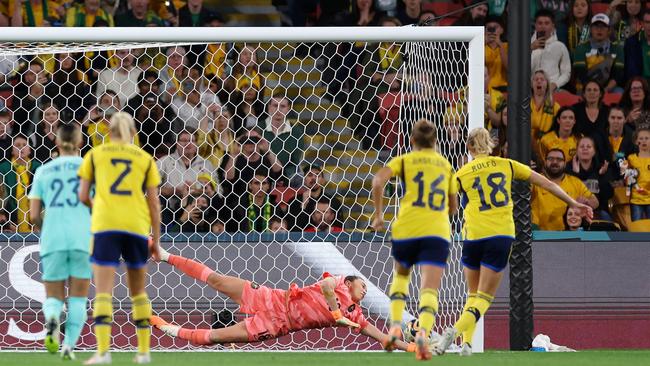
(68, 138)
(479, 141)
(122, 127)
(424, 134)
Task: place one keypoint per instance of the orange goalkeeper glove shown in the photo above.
(343, 321)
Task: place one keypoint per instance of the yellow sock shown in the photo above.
(103, 314)
(428, 309)
(470, 317)
(469, 334)
(399, 290)
(141, 316)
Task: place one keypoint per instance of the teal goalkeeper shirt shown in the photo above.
(66, 223)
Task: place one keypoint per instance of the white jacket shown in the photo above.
(553, 59)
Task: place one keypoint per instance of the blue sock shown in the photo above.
(77, 315)
(52, 308)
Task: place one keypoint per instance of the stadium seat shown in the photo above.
(604, 225)
(599, 8)
(612, 98)
(639, 226)
(566, 99)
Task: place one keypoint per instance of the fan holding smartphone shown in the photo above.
(547, 53)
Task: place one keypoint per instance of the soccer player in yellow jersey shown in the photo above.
(125, 210)
(489, 229)
(421, 233)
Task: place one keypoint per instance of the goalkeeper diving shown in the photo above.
(330, 302)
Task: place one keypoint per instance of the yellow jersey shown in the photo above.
(551, 141)
(486, 187)
(424, 211)
(121, 173)
(495, 66)
(643, 180)
(541, 118)
(547, 210)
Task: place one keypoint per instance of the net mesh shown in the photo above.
(249, 138)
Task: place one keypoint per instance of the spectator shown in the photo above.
(44, 136)
(253, 211)
(196, 216)
(573, 221)
(285, 139)
(69, 88)
(364, 13)
(98, 118)
(304, 203)
(454, 128)
(188, 105)
(122, 78)
(139, 15)
(148, 82)
(496, 54)
(427, 17)
(409, 11)
(87, 15)
(475, 17)
(621, 139)
(179, 171)
(278, 225)
(637, 51)
(6, 130)
(6, 226)
(591, 118)
(193, 14)
(155, 123)
(563, 135)
(245, 70)
(594, 173)
(35, 13)
(599, 59)
(18, 173)
(548, 53)
(8, 66)
(249, 107)
(323, 218)
(627, 16)
(640, 194)
(173, 73)
(213, 58)
(636, 101)
(215, 137)
(560, 8)
(29, 95)
(547, 210)
(542, 109)
(578, 24)
(253, 155)
(494, 104)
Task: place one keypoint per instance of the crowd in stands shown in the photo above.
(228, 149)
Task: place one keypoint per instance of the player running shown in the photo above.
(65, 240)
(489, 228)
(421, 233)
(122, 219)
(331, 302)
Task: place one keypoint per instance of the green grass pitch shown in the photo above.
(586, 358)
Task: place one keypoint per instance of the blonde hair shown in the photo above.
(68, 138)
(122, 127)
(424, 134)
(479, 141)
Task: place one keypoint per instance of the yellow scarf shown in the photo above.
(389, 55)
(215, 59)
(22, 182)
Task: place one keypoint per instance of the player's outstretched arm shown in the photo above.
(327, 288)
(378, 183)
(373, 332)
(542, 181)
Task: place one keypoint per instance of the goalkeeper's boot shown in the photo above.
(422, 351)
(52, 336)
(466, 349)
(67, 353)
(160, 323)
(99, 359)
(394, 334)
(142, 358)
(447, 338)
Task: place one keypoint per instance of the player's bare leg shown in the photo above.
(233, 334)
(227, 285)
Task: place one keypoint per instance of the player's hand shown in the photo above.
(378, 223)
(345, 322)
(154, 248)
(583, 210)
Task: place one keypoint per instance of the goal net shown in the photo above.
(267, 140)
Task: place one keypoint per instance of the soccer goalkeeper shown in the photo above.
(331, 302)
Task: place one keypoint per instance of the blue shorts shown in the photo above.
(108, 246)
(425, 250)
(62, 264)
(492, 253)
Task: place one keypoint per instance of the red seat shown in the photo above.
(612, 98)
(566, 99)
(599, 8)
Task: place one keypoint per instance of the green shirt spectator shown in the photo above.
(138, 16)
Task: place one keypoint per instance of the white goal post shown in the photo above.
(277, 259)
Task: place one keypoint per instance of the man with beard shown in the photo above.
(324, 218)
(304, 204)
(547, 210)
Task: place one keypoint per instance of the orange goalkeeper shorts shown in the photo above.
(268, 309)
